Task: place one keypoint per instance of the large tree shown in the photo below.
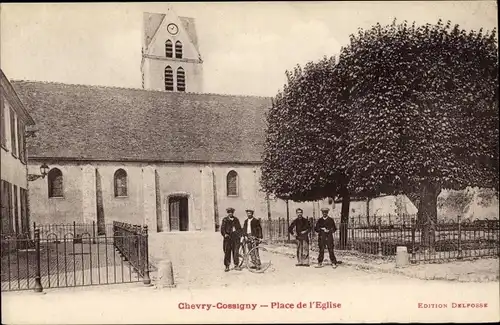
(300, 158)
(405, 110)
(423, 112)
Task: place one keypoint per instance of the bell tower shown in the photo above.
(171, 59)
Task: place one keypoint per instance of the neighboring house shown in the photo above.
(14, 178)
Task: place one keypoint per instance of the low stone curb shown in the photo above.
(403, 271)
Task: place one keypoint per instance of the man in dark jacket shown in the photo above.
(231, 231)
(325, 227)
(301, 227)
(252, 227)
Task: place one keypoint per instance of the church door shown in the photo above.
(178, 213)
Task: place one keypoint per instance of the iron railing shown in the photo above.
(75, 258)
(453, 239)
(132, 243)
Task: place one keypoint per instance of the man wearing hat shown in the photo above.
(252, 227)
(230, 230)
(301, 227)
(325, 227)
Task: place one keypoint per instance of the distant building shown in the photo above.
(14, 172)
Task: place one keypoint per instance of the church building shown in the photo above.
(167, 155)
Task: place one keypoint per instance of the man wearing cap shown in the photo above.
(301, 227)
(252, 227)
(325, 227)
(230, 230)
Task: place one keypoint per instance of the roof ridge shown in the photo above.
(135, 89)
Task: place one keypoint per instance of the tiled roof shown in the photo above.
(106, 123)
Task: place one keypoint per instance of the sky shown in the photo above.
(246, 46)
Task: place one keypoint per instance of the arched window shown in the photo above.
(181, 80)
(232, 183)
(120, 183)
(178, 50)
(55, 181)
(169, 79)
(168, 49)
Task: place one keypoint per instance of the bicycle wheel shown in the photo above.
(265, 259)
(241, 256)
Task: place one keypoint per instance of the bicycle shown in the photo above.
(245, 258)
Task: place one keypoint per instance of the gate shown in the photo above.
(57, 256)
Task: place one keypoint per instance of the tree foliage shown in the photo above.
(405, 109)
(302, 135)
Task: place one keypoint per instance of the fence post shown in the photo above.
(379, 251)
(147, 279)
(459, 256)
(74, 229)
(93, 232)
(352, 233)
(413, 253)
(38, 278)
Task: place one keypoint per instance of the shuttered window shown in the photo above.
(3, 124)
(168, 49)
(178, 50)
(181, 80)
(169, 79)
(13, 135)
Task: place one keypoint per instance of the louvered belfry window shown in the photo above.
(169, 79)
(181, 80)
(178, 50)
(168, 49)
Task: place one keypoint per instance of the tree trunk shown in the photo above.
(344, 218)
(427, 214)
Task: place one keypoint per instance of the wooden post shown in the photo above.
(269, 217)
(459, 256)
(287, 221)
(379, 251)
(413, 248)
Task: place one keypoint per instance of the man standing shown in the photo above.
(325, 227)
(301, 227)
(230, 230)
(251, 227)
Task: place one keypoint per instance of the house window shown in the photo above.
(169, 79)
(168, 49)
(120, 183)
(55, 180)
(22, 143)
(13, 134)
(2, 123)
(181, 80)
(232, 183)
(178, 50)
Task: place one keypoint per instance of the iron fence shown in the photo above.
(132, 243)
(73, 258)
(444, 240)
(75, 229)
